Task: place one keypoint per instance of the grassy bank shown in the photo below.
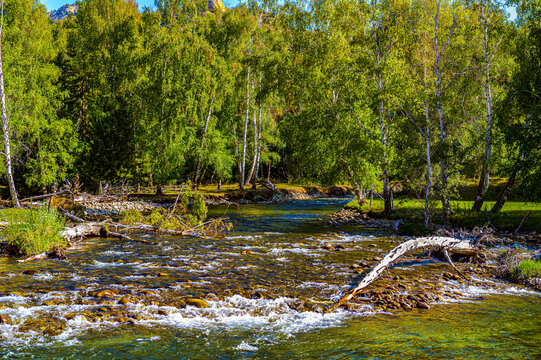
(508, 219)
(32, 231)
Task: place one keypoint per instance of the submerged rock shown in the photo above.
(198, 303)
(4, 319)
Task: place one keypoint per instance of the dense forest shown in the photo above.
(420, 93)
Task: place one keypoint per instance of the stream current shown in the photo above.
(265, 284)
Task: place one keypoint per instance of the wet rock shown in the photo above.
(246, 252)
(327, 247)
(364, 264)
(163, 274)
(49, 303)
(198, 303)
(404, 305)
(339, 247)
(4, 319)
(377, 258)
(105, 293)
(148, 292)
(30, 272)
(162, 312)
(422, 305)
(125, 300)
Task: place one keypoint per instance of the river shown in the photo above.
(265, 284)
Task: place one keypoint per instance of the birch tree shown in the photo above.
(5, 125)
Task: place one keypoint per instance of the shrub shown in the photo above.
(526, 269)
(130, 217)
(35, 232)
(156, 217)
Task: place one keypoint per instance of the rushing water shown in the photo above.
(265, 284)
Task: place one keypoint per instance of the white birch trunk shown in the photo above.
(485, 170)
(5, 125)
(445, 243)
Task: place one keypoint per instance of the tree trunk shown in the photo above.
(427, 149)
(463, 246)
(5, 125)
(254, 158)
(254, 185)
(484, 177)
(198, 166)
(446, 207)
(243, 168)
(506, 191)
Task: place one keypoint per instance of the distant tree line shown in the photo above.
(372, 93)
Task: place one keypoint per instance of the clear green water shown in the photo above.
(254, 299)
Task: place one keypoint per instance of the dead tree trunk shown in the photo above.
(445, 243)
(5, 126)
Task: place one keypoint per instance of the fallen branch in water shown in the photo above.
(462, 246)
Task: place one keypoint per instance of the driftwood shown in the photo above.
(46, 196)
(462, 246)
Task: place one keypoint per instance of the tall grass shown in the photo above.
(526, 269)
(34, 232)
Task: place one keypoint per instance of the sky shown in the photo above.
(56, 4)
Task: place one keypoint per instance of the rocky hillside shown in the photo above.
(63, 12)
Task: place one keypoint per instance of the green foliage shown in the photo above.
(526, 269)
(42, 139)
(412, 228)
(363, 92)
(35, 232)
(156, 217)
(130, 217)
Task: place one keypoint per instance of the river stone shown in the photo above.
(162, 312)
(125, 300)
(30, 272)
(198, 303)
(148, 292)
(105, 293)
(422, 305)
(4, 319)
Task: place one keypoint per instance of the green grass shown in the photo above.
(509, 218)
(526, 269)
(130, 217)
(12, 214)
(32, 231)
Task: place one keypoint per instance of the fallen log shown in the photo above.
(463, 246)
(46, 196)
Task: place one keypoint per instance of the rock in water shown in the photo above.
(198, 303)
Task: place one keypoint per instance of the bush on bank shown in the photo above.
(34, 231)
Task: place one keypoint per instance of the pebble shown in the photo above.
(422, 305)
